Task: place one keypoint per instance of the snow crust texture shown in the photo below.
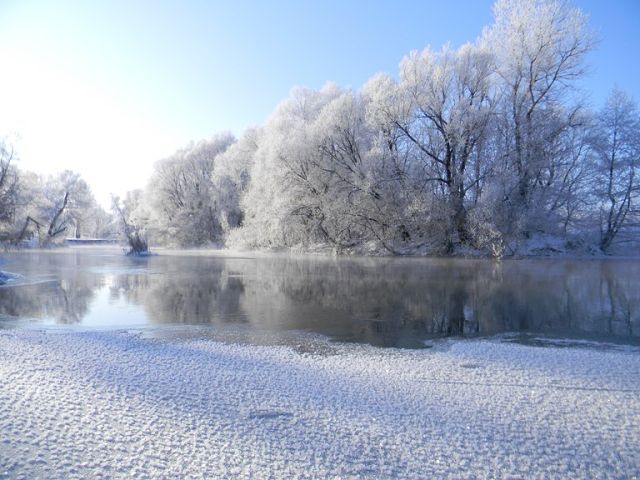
(115, 405)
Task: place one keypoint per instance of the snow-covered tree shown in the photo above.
(53, 206)
(616, 144)
(9, 185)
(540, 48)
(320, 176)
(182, 194)
(231, 175)
(133, 219)
(449, 111)
(280, 204)
(99, 223)
(479, 147)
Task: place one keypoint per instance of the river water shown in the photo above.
(388, 302)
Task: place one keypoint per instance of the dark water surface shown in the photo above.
(399, 302)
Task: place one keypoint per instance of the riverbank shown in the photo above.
(537, 246)
(116, 405)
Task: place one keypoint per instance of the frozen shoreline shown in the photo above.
(541, 251)
(114, 405)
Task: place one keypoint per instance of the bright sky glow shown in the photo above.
(105, 88)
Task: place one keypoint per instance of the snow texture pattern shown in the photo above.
(116, 405)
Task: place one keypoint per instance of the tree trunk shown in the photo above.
(54, 229)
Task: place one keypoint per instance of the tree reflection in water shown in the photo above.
(381, 301)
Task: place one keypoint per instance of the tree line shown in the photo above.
(47, 208)
(480, 148)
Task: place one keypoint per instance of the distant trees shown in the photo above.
(48, 207)
(183, 197)
(231, 178)
(448, 109)
(471, 147)
(56, 205)
(133, 220)
(482, 148)
(281, 203)
(68, 201)
(539, 49)
(326, 176)
(616, 146)
(9, 185)
(100, 223)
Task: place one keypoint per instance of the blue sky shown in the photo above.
(104, 86)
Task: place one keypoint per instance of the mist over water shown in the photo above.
(390, 302)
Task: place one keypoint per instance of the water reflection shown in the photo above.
(385, 302)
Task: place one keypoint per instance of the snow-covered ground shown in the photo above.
(117, 405)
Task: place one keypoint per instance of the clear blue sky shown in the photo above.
(100, 86)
